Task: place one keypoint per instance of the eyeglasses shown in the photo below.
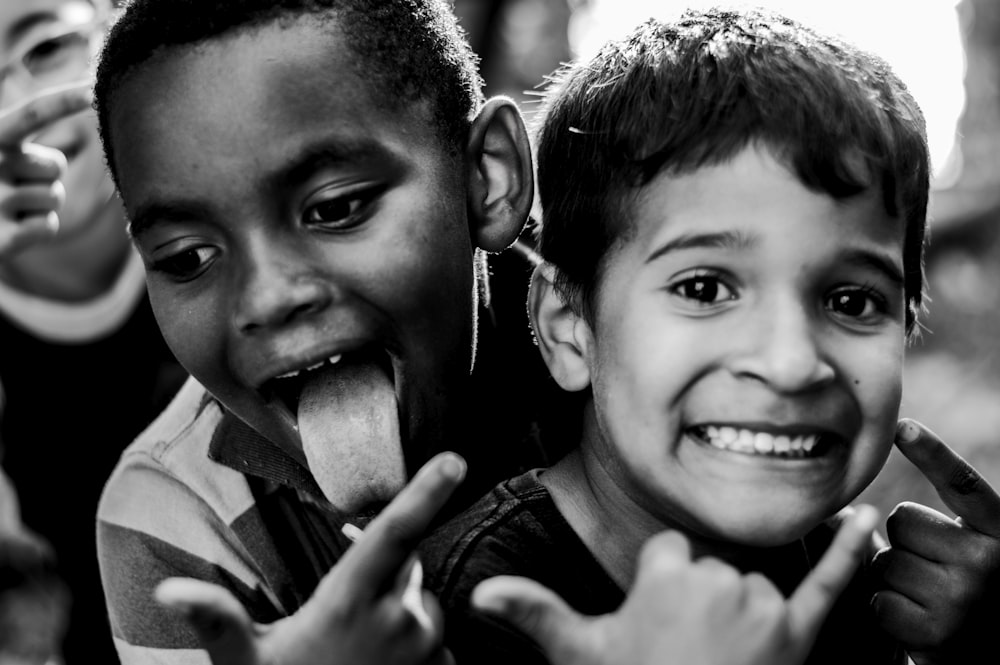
(59, 55)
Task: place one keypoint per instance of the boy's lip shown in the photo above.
(284, 380)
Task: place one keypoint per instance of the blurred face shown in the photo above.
(746, 353)
(47, 43)
(302, 243)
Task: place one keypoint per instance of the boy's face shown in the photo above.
(747, 350)
(286, 218)
(47, 43)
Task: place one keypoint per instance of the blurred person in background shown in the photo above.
(34, 599)
(83, 367)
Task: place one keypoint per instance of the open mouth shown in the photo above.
(288, 387)
(755, 442)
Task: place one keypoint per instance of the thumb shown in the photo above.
(222, 624)
(535, 610)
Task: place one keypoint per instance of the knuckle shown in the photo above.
(965, 480)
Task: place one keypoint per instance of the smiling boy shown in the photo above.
(733, 217)
(312, 187)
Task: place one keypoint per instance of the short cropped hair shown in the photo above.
(411, 50)
(675, 97)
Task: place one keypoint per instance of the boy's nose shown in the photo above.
(785, 351)
(277, 291)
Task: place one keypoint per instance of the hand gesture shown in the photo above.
(31, 191)
(702, 612)
(941, 575)
(363, 612)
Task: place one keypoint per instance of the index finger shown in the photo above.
(391, 537)
(817, 593)
(19, 122)
(958, 484)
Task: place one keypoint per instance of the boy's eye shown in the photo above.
(862, 304)
(56, 53)
(702, 288)
(341, 212)
(186, 264)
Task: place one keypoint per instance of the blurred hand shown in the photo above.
(702, 612)
(941, 575)
(361, 613)
(31, 191)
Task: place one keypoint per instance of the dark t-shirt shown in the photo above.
(516, 529)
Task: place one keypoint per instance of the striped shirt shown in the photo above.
(199, 494)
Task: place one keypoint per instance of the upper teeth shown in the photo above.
(333, 360)
(749, 441)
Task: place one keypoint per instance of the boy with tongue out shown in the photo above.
(313, 187)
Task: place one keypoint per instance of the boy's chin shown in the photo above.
(764, 531)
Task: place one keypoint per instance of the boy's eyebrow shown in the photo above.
(290, 174)
(882, 262)
(861, 257)
(153, 212)
(332, 152)
(26, 23)
(721, 239)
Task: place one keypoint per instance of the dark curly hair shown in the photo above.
(674, 97)
(410, 49)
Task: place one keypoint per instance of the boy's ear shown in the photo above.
(563, 336)
(500, 173)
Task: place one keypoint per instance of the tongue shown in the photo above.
(350, 434)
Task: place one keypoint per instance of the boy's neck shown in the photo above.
(614, 528)
(77, 268)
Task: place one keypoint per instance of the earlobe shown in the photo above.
(500, 173)
(563, 336)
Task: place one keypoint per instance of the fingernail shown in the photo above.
(453, 467)
(907, 431)
(485, 601)
(52, 222)
(352, 532)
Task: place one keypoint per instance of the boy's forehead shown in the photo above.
(253, 100)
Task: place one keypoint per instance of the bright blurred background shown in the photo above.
(948, 52)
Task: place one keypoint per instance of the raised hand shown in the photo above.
(31, 191)
(361, 613)
(941, 575)
(702, 612)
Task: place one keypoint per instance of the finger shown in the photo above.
(664, 553)
(19, 122)
(535, 610)
(958, 484)
(902, 618)
(410, 588)
(374, 561)
(921, 529)
(812, 600)
(32, 163)
(15, 236)
(10, 507)
(924, 582)
(440, 657)
(33, 201)
(222, 625)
